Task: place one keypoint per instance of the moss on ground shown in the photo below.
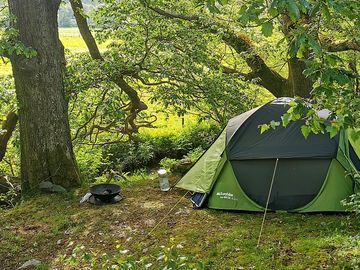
(50, 226)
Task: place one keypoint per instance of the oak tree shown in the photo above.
(46, 149)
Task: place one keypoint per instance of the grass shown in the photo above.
(49, 227)
(71, 39)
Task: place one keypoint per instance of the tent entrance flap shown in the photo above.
(297, 181)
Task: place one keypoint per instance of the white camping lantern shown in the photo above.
(163, 180)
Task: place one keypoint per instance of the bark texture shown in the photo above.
(8, 126)
(46, 149)
(90, 42)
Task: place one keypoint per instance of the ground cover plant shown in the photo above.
(53, 229)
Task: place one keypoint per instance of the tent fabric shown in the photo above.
(236, 122)
(354, 149)
(227, 194)
(296, 181)
(337, 187)
(281, 142)
(354, 158)
(312, 175)
(201, 176)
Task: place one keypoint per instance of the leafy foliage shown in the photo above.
(179, 65)
(310, 28)
(150, 150)
(168, 258)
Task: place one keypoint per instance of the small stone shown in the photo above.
(145, 250)
(30, 264)
(46, 185)
(59, 242)
(185, 161)
(58, 189)
(71, 243)
(150, 222)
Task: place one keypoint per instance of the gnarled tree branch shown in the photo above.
(90, 42)
(269, 78)
(174, 15)
(136, 105)
(341, 45)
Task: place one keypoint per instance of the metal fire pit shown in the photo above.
(105, 193)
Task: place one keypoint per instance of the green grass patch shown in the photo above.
(71, 39)
(49, 227)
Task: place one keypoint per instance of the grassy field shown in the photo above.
(71, 39)
(49, 227)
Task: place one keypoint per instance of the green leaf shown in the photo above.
(304, 5)
(286, 119)
(274, 124)
(211, 5)
(273, 11)
(355, 134)
(267, 29)
(305, 130)
(293, 9)
(223, 2)
(325, 11)
(264, 128)
(315, 10)
(314, 44)
(332, 130)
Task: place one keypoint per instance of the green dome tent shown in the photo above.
(246, 170)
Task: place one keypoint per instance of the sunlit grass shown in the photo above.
(220, 239)
(5, 67)
(70, 38)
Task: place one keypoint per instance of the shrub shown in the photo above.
(353, 204)
(129, 156)
(169, 163)
(149, 150)
(89, 160)
(195, 154)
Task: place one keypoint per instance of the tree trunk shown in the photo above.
(46, 149)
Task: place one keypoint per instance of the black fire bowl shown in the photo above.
(105, 193)
(94, 201)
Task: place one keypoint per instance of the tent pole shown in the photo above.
(267, 202)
